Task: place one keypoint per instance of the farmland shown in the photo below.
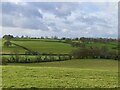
(59, 45)
(74, 73)
(65, 74)
(50, 46)
(41, 46)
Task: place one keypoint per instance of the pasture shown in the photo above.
(41, 46)
(50, 46)
(74, 73)
(84, 73)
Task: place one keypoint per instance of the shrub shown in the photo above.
(4, 61)
(38, 58)
(95, 53)
(7, 44)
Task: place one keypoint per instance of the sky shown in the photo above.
(62, 19)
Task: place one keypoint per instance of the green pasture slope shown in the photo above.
(84, 73)
(39, 45)
(50, 46)
(11, 49)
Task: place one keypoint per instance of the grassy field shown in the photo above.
(46, 47)
(50, 46)
(84, 73)
(112, 46)
(41, 46)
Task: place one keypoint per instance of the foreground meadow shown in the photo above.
(84, 73)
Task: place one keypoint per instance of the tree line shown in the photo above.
(83, 39)
(95, 53)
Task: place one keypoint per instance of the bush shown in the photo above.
(93, 53)
(7, 44)
(38, 58)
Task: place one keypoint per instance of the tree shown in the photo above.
(17, 37)
(76, 38)
(7, 43)
(46, 37)
(8, 37)
(42, 37)
(17, 57)
(55, 37)
(63, 38)
(104, 48)
(22, 36)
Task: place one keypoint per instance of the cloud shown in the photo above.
(21, 8)
(70, 19)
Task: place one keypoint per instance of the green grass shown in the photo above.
(51, 46)
(110, 45)
(84, 73)
(11, 49)
(42, 46)
(46, 47)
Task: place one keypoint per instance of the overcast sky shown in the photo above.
(63, 19)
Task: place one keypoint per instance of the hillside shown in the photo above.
(41, 46)
(51, 46)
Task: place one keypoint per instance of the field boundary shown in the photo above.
(40, 54)
(22, 47)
